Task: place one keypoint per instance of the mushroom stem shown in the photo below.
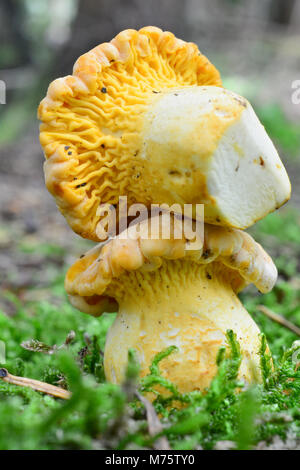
(183, 304)
(34, 385)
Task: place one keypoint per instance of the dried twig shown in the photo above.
(34, 385)
(279, 319)
(154, 425)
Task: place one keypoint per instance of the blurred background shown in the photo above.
(255, 45)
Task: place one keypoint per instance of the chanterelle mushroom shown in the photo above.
(144, 116)
(168, 295)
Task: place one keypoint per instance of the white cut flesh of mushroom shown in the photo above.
(207, 141)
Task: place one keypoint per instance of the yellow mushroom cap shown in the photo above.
(92, 121)
(244, 260)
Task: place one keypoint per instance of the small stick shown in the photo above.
(154, 425)
(279, 319)
(34, 385)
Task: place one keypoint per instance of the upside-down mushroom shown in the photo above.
(167, 294)
(144, 116)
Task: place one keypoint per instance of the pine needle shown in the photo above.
(279, 319)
